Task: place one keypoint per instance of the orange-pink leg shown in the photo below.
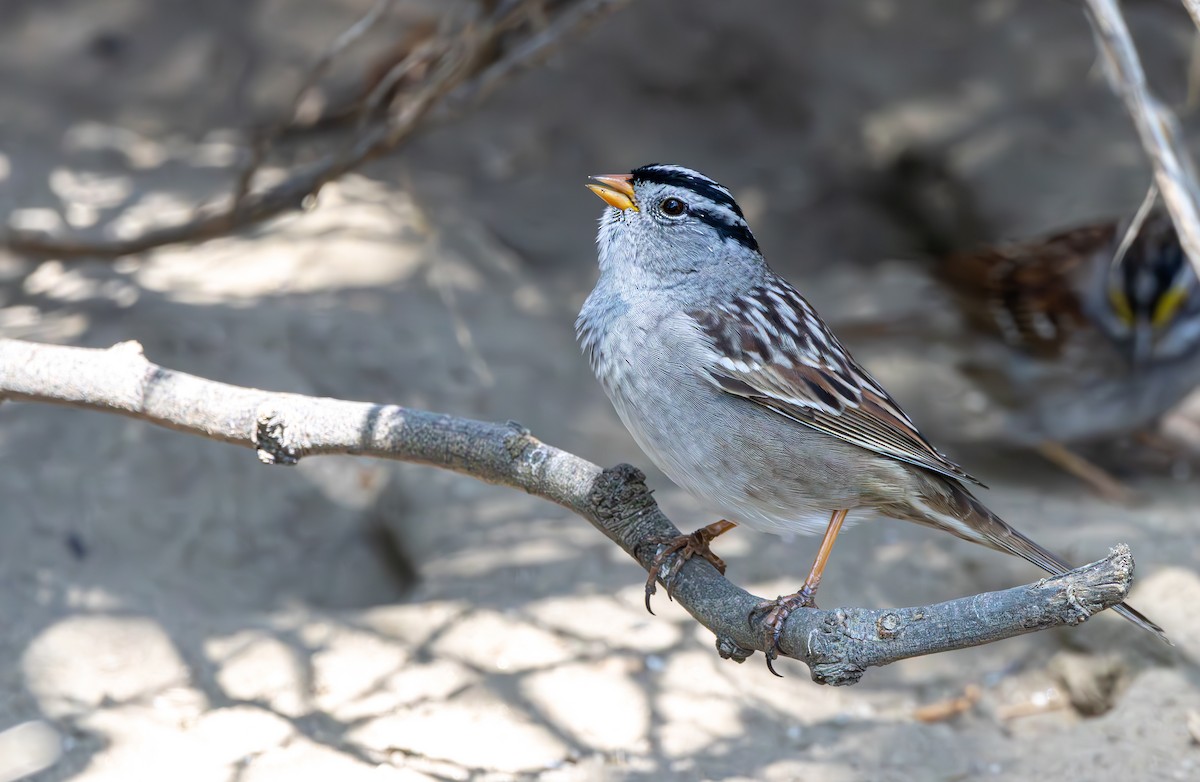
(780, 608)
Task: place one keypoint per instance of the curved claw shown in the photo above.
(771, 655)
(686, 547)
(777, 613)
(671, 546)
(651, 588)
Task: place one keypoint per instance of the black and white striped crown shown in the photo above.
(715, 206)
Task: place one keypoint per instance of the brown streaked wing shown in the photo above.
(786, 359)
(1023, 292)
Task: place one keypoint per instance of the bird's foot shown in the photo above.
(777, 613)
(684, 547)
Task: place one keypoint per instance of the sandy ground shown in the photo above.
(171, 610)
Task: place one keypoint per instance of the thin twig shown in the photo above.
(464, 74)
(421, 54)
(534, 51)
(1135, 225)
(263, 138)
(1156, 125)
(341, 44)
(1193, 9)
(838, 645)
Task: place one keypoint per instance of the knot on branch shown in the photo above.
(887, 625)
(729, 649)
(620, 493)
(620, 501)
(519, 441)
(270, 436)
(838, 673)
(833, 652)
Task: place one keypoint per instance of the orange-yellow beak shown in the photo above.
(615, 189)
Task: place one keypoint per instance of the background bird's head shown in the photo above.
(1153, 296)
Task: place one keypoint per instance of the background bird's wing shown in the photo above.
(1025, 293)
(770, 347)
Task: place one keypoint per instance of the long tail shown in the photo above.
(979, 525)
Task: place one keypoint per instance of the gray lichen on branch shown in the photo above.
(838, 645)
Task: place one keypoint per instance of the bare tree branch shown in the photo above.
(264, 138)
(1193, 9)
(1156, 124)
(838, 645)
(463, 69)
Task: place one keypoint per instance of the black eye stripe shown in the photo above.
(726, 226)
(738, 232)
(1150, 267)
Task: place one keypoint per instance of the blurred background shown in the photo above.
(170, 609)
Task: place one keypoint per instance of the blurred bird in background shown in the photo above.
(1081, 336)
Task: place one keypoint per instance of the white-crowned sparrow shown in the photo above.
(733, 385)
(1074, 342)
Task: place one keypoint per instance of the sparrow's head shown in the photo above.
(1154, 295)
(665, 223)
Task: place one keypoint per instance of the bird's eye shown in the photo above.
(672, 207)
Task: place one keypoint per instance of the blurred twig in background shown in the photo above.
(264, 138)
(1156, 125)
(440, 73)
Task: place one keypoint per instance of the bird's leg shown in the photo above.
(781, 607)
(687, 546)
(1167, 448)
(1099, 479)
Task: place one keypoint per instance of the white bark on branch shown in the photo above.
(838, 645)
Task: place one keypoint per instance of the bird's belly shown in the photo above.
(787, 484)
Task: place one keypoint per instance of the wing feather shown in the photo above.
(1025, 292)
(770, 347)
